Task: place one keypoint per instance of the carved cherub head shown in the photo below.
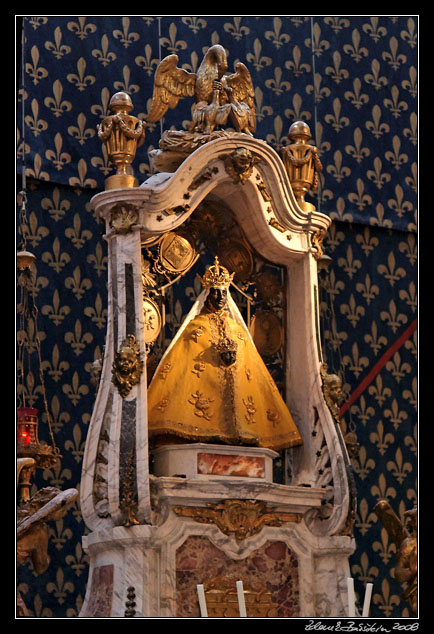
(127, 366)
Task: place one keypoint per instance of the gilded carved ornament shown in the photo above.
(241, 518)
(127, 366)
(123, 217)
(239, 164)
(222, 599)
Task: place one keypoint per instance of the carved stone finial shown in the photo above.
(302, 163)
(122, 134)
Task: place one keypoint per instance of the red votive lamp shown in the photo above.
(27, 426)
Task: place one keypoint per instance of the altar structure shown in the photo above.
(165, 518)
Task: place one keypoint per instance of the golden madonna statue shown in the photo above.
(211, 384)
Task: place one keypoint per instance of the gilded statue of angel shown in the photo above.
(217, 95)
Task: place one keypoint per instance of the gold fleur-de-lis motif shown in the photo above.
(409, 248)
(385, 548)
(374, 30)
(102, 54)
(102, 163)
(350, 264)
(147, 62)
(55, 312)
(78, 236)
(75, 391)
(55, 259)
(57, 418)
(125, 36)
(411, 442)
(34, 233)
(55, 207)
(296, 112)
(374, 126)
(81, 80)
(411, 181)
(56, 476)
(355, 51)
(36, 125)
(355, 363)
(59, 535)
(393, 319)
(335, 120)
(30, 390)
(410, 36)
(257, 60)
(76, 446)
(261, 111)
(276, 37)
(102, 110)
(352, 311)
(27, 337)
(337, 170)
(277, 139)
(357, 151)
(61, 587)
(411, 395)
(318, 46)
(77, 339)
(97, 313)
(398, 204)
(379, 391)
(409, 296)
(363, 465)
(276, 84)
(367, 242)
(56, 105)
(374, 79)
(382, 491)
(78, 563)
(386, 601)
(376, 175)
(336, 72)
(393, 58)
(58, 158)
(381, 439)
(411, 84)
(363, 411)
(37, 21)
(364, 573)
(98, 260)
(294, 64)
(36, 72)
(80, 132)
(57, 48)
(364, 519)
(337, 23)
(82, 181)
(411, 132)
(235, 28)
(395, 415)
(398, 368)
(379, 218)
(394, 156)
(374, 341)
(194, 23)
(319, 92)
(398, 467)
(125, 85)
(360, 199)
(77, 285)
(80, 28)
(357, 98)
(395, 106)
(171, 43)
(390, 272)
(367, 289)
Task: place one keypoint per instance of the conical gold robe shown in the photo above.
(195, 397)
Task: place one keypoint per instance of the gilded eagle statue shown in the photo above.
(217, 95)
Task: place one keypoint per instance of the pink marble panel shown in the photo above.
(221, 464)
(274, 565)
(101, 592)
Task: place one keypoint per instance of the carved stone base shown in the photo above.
(201, 461)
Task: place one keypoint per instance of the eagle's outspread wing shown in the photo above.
(242, 91)
(170, 85)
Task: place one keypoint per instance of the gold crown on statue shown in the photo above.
(216, 276)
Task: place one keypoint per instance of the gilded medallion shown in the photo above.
(176, 253)
(266, 332)
(152, 318)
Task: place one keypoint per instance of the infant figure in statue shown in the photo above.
(212, 385)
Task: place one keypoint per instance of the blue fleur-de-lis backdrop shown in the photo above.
(354, 81)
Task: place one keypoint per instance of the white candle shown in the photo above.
(351, 597)
(241, 601)
(202, 602)
(366, 603)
